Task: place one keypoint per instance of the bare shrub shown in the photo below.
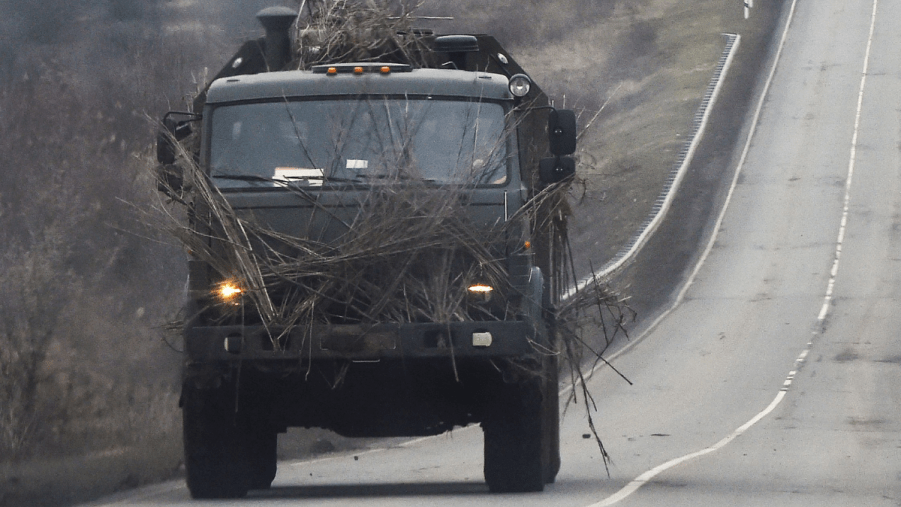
(86, 287)
(35, 289)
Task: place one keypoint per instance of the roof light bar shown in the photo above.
(362, 68)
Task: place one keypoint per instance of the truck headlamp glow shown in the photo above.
(480, 288)
(520, 84)
(228, 292)
(480, 292)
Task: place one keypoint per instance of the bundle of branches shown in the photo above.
(406, 255)
(592, 309)
(596, 308)
(358, 31)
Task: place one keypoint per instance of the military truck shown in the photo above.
(299, 151)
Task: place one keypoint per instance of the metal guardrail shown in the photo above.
(680, 167)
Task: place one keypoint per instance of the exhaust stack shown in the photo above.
(277, 21)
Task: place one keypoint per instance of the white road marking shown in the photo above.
(852, 159)
(644, 478)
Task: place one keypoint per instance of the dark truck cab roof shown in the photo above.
(302, 83)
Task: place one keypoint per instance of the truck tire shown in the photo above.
(514, 432)
(263, 457)
(215, 446)
(551, 427)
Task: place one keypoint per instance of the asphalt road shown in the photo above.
(774, 379)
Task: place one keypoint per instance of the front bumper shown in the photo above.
(494, 339)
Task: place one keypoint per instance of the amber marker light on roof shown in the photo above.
(386, 70)
(332, 71)
(358, 70)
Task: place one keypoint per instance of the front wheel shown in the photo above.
(551, 424)
(514, 430)
(263, 459)
(215, 446)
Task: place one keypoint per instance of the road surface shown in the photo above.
(775, 379)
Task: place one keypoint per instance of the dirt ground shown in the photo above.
(646, 62)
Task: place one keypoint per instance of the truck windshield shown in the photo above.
(318, 142)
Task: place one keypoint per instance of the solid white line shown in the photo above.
(852, 160)
(642, 479)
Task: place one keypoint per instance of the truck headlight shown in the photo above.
(520, 84)
(229, 292)
(480, 291)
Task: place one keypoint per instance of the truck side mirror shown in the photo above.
(169, 175)
(556, 169)
(165, 148)
(562, 131)
(171, 132)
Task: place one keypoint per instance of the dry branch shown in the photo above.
(343, 30)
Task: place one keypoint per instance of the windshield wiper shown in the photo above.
(398, 177)
(359, 178)
(242, 177)
(287, 179)
(338, 179)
